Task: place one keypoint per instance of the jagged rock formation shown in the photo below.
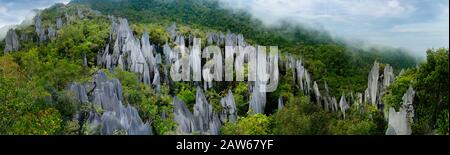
(130, 53)
(317, 93)
(69, 18)
(301, 75)
(39, 29)
(107, 94)
(388, 76)
(59, 23)
(172, 30)
(183, 117)
(51, 33)
(343, 105)
(80, 13)
(280, 104)
(79, 92)
(229, 111)
(372, 89)
(400, 122)
(377, 83)
(230, 39)
(11, 41)
(203, 112)
(408, 100)
(257, 102)
(203, 120)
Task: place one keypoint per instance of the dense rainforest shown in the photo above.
(59, 80)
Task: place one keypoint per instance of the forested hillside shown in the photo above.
(73, 72)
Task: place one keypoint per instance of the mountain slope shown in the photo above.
(74, 80)
(328, 59)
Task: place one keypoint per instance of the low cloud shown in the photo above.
(13, 12)
(414, 25)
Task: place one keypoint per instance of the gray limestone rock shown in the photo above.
(51, 33)
(373, 84)
(79, 92)
(398, 122)
(258, 100)
(39, 29)
(343, 105)
(280, 103)
(80, 13)
(408, 100)
(59, 23)
(203, 121)
(172, 30)
(202, 110)
(229, 111)
(11, 41)
(183, 117)
(107, 94)
(317, 93)
(388, 76)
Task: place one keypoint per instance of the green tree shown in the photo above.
(258, 124)
(432, 91)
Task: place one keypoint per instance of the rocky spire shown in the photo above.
(51, 33)
(183, 117)
(398, 122)
(202, 110)
(317, 93)
(59, 23)
(280, 103)
(229, 110)
(203, 120)
(80, 13)
(408, 100)
(107, 95)
(372, 88)
(79, 92)
(172, 30)
(343, 104)
(388, 76)
(39, 28)
(11, 41)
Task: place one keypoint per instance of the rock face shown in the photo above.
(377, 83)
(39, 29)
(408, 100)
(183, 117)
(80, 13)
(229, 111)
(129, 53)
(79, 91)
(372, 88)
(203, 113)
(317, 93)
(51, 33)
(388, 76)
(11, 41)
(343, 105)
(59, 23)
(203, 121)
(116, 118)
(172, 30)
(400, 122)
(280, 104)
(230, 39)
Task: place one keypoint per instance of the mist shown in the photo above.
(413, 26)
